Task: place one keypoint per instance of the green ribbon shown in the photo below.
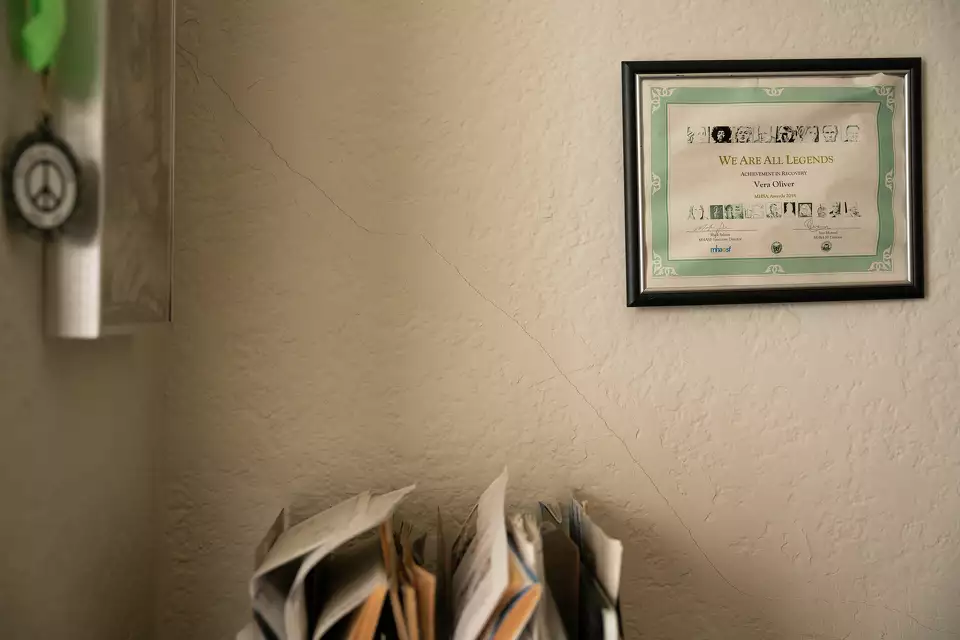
(44, 22)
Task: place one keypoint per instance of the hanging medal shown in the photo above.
(41, 176)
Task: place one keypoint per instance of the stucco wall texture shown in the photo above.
(399, 258)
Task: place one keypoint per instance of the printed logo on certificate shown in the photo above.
(787, 182)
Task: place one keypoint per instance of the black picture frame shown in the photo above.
(638, 297)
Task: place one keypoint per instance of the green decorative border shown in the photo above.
(660, 97)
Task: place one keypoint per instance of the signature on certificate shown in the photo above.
(810, 225)
(710, 227)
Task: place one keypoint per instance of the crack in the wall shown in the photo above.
(596, 412)
(646, 474)
(273, 149)
(554, 377)
(182, 52)
(198, 70)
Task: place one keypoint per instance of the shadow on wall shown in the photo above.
(668, 593)
(669, 589)
(296, 284)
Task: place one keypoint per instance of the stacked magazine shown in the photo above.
(355, 571)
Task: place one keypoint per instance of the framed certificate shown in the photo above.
(772, 180)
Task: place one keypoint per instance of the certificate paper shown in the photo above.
(772, 181)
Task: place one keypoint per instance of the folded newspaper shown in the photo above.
(355, 571)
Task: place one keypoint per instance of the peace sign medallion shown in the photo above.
(42, 181)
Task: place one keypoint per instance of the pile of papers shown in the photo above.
(356, 571)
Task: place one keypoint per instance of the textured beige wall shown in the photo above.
(400, 257)
(77, 428)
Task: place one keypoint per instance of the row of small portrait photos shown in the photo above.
(789, 209)
(773, 133)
